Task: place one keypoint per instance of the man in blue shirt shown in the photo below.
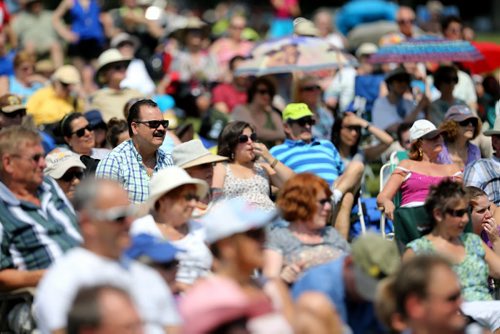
(350, 282)
(304, 153)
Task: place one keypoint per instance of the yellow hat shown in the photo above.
(296, 111)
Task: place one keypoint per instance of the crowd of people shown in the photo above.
(147, 186)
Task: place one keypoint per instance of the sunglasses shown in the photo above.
(154, 124)
(356, 128)
(81, 132)
(189, 197)
(405, 21)
(244, 138)
(256, 234)
(457, 213)
(69, 176)
(310, 88)
(465, 122)
(323, 201)
(263, 92)
(35, 158)
(14, 114)
(305, 121)
(119, 67)
(117, 214)
(168, 266)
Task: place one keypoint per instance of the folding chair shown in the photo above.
(8, 300)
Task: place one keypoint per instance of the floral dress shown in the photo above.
(472, 271)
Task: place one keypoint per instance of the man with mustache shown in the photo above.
(133, 162)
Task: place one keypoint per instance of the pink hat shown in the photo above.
(215, 301)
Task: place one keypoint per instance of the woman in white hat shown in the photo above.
(173, 197)
(415, 175)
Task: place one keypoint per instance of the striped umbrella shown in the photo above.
(290, 54)
(426, 49)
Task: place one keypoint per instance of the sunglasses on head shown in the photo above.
(305, 121)
(117, 214)
(69, 176)
(81, 132)
(465, 122)
(310, 88)
(155, 124)
(244, 138)
(457, 213)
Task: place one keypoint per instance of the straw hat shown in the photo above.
(107, 58)
(170, 178)
(193, 153)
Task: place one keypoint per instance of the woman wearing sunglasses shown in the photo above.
(473, 261)
(79, 136)
(305, 202)
(414, 176)
(173, 198)
(460, 126)
(307, 90)
(346, 136)
(251, 169)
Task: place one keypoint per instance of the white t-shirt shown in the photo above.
(197, 259)
(384, 113)
(82, 268)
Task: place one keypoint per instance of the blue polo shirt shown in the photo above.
(319, 157)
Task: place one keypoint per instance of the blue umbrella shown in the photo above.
(426, 48)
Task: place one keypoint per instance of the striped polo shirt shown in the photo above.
(31, 236)
(319, 157)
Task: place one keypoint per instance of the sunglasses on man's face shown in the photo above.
(14, 114)
(116, 214)
(244, 138)
(312, 88)
(81, 132)
(154, 124)
(465, 122)
(256, 234)
(305, 121)
(69, 176)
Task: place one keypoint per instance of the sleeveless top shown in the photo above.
(472, 271)
(254, 190)
(85, 22)
(415, 187)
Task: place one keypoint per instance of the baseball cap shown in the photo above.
(374, 259)
(366, 49)
(422, 128)
(67, 74)
(152, 249)
(59, 162)
(398, 73)
(193, 153)
(459, 113)
(229, 217)
(11, 103)
(295, 111)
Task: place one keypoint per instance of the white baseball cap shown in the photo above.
(58, 163)
(233, 216)
(423, 129)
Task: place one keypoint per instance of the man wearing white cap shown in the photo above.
(485, 173)
(110, 72)
(50, 104)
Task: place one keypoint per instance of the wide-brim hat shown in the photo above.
(122, 38)
(170, 178)
(58, 163)
(423, 129)
(189, 24)
(11, 103)
(496, 129)
(193, 153)
(67, 74)
(106, 59)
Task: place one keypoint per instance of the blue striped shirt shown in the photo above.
(31, 236)
(319, 157)
(124, 164)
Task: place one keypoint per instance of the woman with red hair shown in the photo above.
(305, 202)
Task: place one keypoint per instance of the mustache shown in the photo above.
(159, 133)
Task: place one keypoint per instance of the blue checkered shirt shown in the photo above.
(485, 174)
(124, 164)
(31, 236)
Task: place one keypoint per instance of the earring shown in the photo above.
(420, 153)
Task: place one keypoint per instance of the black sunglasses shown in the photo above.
(468, 121)
(310, 88)
(356, 128)
(189, 197)
(457, 213)
(35, 158)
(256, 234)
(305, 121)
(323, 201)
(168, 266)
(154, 124)
(263, 92)
(14, 114)
(244, 138)
(81, 132)
(69, 176)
